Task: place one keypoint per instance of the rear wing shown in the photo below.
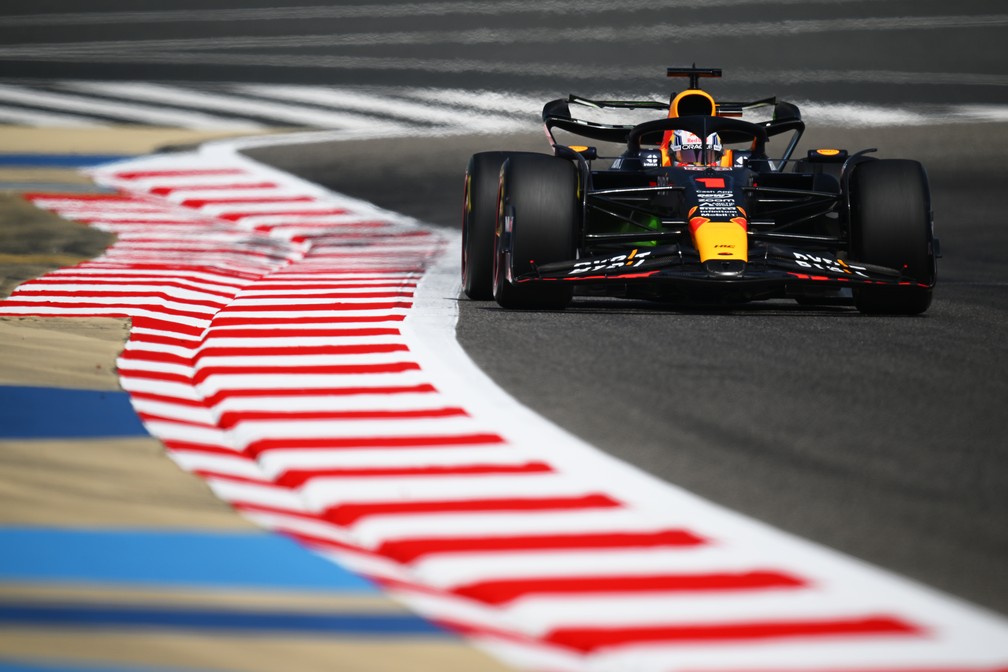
(557, 114)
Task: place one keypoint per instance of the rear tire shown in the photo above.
(479, 221)
(890, 218)
(538, 202)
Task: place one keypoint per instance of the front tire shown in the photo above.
(538, 218)
(890, 216)
(479, 220)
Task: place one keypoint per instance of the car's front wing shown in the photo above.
(671, 270)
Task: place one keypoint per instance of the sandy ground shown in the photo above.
(102, 482)
(33, 242)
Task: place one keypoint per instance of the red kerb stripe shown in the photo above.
(254, 507)
(292, 295)
(164, 339)
(332, 369)
(232, 418)
(321, 543)
(348, 514)
(235, 216)
(294, 307)
(411, 549)
(334, 285)
(256, 448)
(300, 351)
(158, 324)
(591, 639)
(219, 397)
(144, 174)
(284, 331)
(297, 478)
(271, 320)
(203, 202)
(164, 191)
(206, 474)
(202, 448)
(501, 592)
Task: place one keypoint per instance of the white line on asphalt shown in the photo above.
(292, 114)
(26, 117)
(122, 109)
(385, 11)
(139, 49)
(385, 105)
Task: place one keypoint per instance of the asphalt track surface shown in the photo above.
(881, 437)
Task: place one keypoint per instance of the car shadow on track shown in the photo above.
(610, 306)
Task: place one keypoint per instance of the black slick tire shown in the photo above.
(479, 220)
(890, 218)
(538, 219)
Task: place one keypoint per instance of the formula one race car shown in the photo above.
(691, 207)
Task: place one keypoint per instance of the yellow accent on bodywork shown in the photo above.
(693, 94)
(721, 240)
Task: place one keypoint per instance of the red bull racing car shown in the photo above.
(691, 206)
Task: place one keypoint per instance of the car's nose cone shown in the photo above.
(725, 267)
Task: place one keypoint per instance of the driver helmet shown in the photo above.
(688, 149)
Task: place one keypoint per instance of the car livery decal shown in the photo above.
(633, 259)
(823, 263)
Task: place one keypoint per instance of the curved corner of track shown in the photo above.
(295, 348)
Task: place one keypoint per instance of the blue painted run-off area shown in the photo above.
(256, 560)
(58, 160)
(22, 665)
(134, 616)
(47, 412)
(261, 562)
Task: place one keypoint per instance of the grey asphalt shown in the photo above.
(884, 438)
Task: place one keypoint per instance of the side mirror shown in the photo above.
(590, 153)
(784, 111)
